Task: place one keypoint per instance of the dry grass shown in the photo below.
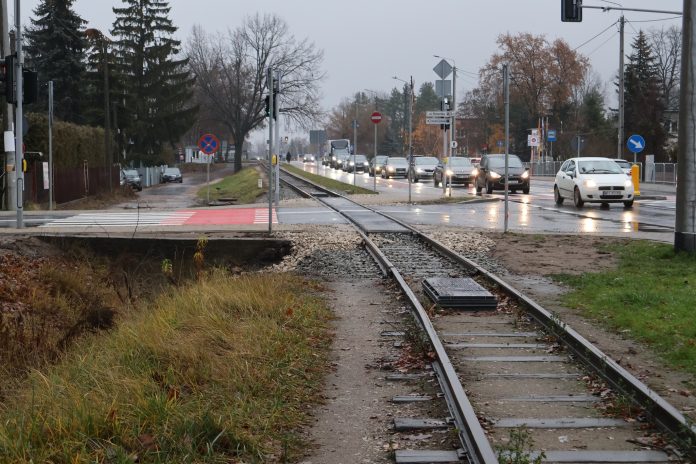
(220, 370)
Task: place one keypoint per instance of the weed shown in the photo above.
(519, 449)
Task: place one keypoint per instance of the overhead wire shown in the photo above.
(593, 38)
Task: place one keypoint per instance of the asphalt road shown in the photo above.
(651, 217)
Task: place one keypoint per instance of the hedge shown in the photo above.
(72, 144)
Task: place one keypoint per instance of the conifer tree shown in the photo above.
(56, 49)
(154, 109)
(644, 105)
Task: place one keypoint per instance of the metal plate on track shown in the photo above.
(459, 293)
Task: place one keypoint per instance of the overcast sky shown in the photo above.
(366, 42)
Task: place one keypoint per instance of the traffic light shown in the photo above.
(30, 82)
(267, 105)
(10, 94)
(30, 86)
(444, 106)
(571, 11)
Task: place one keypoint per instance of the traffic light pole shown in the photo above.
(620, 138)
(19, 119)
(271, 86)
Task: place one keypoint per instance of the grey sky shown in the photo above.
(366, 42)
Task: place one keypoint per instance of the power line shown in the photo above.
(655, 20)
(604, 43)
(590, 40)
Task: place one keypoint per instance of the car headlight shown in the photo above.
(352, 163)
(419, 170)
(390, 168)
(333, 158)
(628, 183)
(525, 174)
(475, 172)
(495, 175)
(590, 183)
(449, 172)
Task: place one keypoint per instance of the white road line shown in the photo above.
(122, 219)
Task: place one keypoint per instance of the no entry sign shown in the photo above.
(376, 117)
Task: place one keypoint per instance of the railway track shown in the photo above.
(529, 377)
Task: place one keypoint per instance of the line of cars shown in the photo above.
(132, 179)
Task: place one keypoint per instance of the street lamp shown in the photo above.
(409, 86)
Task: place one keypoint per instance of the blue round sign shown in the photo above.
(635, 143)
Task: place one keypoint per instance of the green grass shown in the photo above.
(651, 294)
(330, 184)
(222, 370)
(243, 186)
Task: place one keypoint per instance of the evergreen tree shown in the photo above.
(644, 105)
(427, 101)
(100, 61)
(157, 87)
(56, 49)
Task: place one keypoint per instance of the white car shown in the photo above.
(624, 165)
(593, 180)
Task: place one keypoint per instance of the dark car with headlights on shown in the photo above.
(423, 168)
(357, 163)
(395, 167)
(491, 174)
(172, 175)
(131, 178)
(460, 171)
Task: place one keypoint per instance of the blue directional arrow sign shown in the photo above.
(635, 143)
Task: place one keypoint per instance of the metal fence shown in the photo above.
(663, 173)
(658, 173)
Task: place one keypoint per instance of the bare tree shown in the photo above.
(666, 44)
(231, 75)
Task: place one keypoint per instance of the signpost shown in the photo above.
(635, 144)
(376, 118)
(209, 144)
(551, 137)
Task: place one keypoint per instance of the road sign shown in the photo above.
(499, 143)
(443, 88)
(437, 121)
(453, 144)
(551, 136)
(533, 140)
(578, 140)
(439, 114)
(635, 143)
(376, 117)
(208, 144)
(443, 69)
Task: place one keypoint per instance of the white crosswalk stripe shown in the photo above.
(129, 219)
(261, 216)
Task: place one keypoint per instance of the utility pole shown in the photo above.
(50, 146)
(685, 223)
(453, 125)
(355, 137)
(107, 114)
(620, 138)
(19, 118)
(506, 97)
(277, 141)
(410, 135)
(9, 179)
(271, 88)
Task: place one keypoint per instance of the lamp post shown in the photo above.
(409, 86)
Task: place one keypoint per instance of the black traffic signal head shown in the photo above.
(571, 11)
(30, 86)
(267, 105)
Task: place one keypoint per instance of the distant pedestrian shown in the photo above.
(288, 157)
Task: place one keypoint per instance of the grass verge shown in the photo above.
(243, 186)
(221, 370)
(651, 294)
(335, 185)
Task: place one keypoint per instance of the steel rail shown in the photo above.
(664, 415)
